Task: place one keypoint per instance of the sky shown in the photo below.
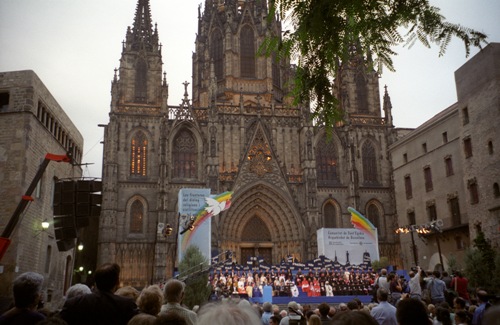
(75, 45)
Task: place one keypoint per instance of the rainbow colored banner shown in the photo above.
(213, 206)
(361, 223)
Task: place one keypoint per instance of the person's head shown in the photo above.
(382, 294)
(293, 307)
(76, 290)
(27, 290)
(461, 317)
(150, 300)
(174, 291)
(170, 318)
(383, 272)
(128, 291)
(436, 274)
(267, 307)
(459, 303)
(354, 318)
(411, 274)
(274, 320)
(314, 320)
(227, 313)
(352, 305)
(482, 296)
(107, 277)
(276, 310)
(343, 307)
(324, 309)
(332, 312)
(142, 319)
(411, 312)
(443, 315)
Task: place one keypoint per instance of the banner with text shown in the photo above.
(191, 200)
(347, 245)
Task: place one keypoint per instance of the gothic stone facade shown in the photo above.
(239, 132)
(33, 124)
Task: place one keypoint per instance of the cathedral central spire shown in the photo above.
(142, 31)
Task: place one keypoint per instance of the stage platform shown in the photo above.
(314, 300)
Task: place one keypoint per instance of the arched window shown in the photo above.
(362, 93)
(136, 217)
(330, 216)
(369, 164)
(217, 54)
(141, 81)
(373, 214)
(276, 71)
(184, 155)
(247, 52)
(139, 151)
(326, 163)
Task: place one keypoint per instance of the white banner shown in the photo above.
(347, 245)
(191, 200)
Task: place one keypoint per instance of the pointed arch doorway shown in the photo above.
(256, 241)
(262, 221)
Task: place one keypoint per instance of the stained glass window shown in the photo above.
(136, 217)
(330, 215)
(370, 176)
(247, 52)
(139, 151)
(184, 155)
(374, 215)
(326, 162)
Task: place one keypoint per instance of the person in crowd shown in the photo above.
(324, 309)
(267, 313)
(437, 288)
(293, 314)
(443, 316)
(492, 315)
(460, 305)
(482, 299)
(459, 284)
(78, 289)
(149, 303)
(461, 318)
(27, 292)
(174, 293)
(352, 305)
(382, 280)
(101, 306)
(274, 320)
(170, 318)
(314, 320)
(414, 284)
(431, 309)
(354, 318)
(412, 311)
(446, 279)
(128, 291)
(395, 288)
(227, 313)
(142, 319)
(384, 313)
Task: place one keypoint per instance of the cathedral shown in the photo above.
(237, 129)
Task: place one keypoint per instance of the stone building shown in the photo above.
(33, 124)
(240, 132)
(448, 169)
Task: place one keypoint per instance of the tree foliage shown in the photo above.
(194, 266)
(380, 264)
(326, 33)
(482, 264)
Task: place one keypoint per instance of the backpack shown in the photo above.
(297, 320)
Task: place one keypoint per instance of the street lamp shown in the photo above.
(423, 229)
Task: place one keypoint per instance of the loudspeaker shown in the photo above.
(64, 227)
(82, 221)
(64, 209)
(65, 245)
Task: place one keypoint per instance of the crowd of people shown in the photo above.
(423, 300)
(314, 283)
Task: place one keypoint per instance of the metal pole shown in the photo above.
(414, 247)
(439, 251)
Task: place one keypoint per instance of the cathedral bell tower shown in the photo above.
(140, 80)
(227, 67)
